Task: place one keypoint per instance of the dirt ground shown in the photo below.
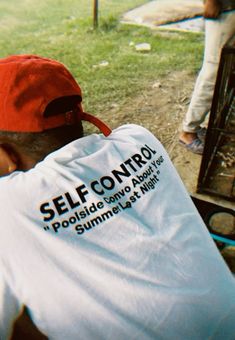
(161, 108)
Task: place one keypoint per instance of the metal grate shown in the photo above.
(217, 171)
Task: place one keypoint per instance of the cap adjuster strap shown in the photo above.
(72, 117)
(97, 122)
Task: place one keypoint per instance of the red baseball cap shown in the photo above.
(28, 84)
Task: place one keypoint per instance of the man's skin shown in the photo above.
(211, 11)
(13, 158)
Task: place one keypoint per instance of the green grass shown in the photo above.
(63, 30)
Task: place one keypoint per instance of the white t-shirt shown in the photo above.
(101, 241)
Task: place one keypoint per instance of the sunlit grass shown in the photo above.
(63, 30)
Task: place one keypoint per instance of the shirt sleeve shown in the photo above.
(9, 309)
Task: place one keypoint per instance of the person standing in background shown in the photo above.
(219, 28)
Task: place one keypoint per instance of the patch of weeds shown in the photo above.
(109, 24)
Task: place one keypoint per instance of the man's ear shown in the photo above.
(8, 163)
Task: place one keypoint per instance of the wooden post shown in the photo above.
(95, 17)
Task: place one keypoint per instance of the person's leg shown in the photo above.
(217, 32)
